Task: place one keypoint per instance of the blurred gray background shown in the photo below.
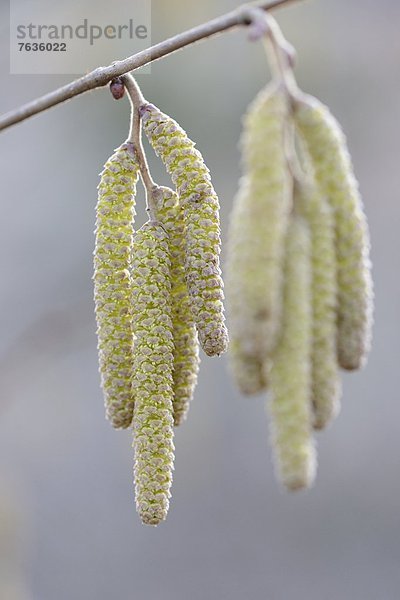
(67, 476)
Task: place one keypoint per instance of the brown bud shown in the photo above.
(117, 88)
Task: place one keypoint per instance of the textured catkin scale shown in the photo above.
(290, 375)
(152, 382)
(326, 386)
(186, 345)
(201, 217)
(112, 262)
(334, 173)
(256, 240)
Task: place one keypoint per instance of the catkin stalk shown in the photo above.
(334, 173)
(152, 382)
(290, 375)
(202, 231)
(326, 388)
(186, 346)
(112, 262)
(256, 239)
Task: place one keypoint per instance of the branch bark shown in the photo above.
(103, 75)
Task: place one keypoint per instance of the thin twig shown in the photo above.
(135, 137)
(103, 75)
(281, 56)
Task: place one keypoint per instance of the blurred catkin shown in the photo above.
(334, 173)
(245, 358)
(152, 382)
(256, 240)
(186, 346)
(202, 231)
(112, 262)
(290, 375)
(326, 386)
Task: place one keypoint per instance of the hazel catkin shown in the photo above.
(112, 262)
(186, 346)
(244, 355)
(256, 240)
(201, 217)
(326, 388)
(334, 174)
(290, 374)
(152, 383)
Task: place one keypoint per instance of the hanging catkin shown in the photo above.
(201, 217)
(245, 359)
(152, 382)
(334, 173)
(256, 239)
(186, 346)
(112, 262)
(326, 386)
(290, 375)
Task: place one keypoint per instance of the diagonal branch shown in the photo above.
(103, 75)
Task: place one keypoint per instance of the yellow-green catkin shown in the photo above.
(112, 262)
(186, 345)
(202, 231)
(152, 382)
(290, 374)
(245, 355)
(256, 240)
(326, 388)
(334, 173)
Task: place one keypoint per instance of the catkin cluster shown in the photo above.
(158, 293)
(299, 285)
(299, 288)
